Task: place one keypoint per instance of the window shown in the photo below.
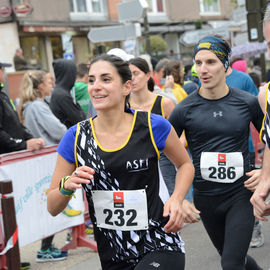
(210, 7)
(86, 6)
(156, 6)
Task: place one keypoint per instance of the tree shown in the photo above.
(157, 44)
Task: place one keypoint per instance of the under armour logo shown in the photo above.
(155, 264)
(215, 114)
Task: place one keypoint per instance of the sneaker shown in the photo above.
(25, 265)
(257, 236)
(54, 249)
(51, 254)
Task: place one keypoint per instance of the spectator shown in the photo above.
(120, 53)
(34, 112)
(175, 80)
(187, 70)
(38, 118)
(241, 65)
(154, 62)
(256, 79)
(20, 63)
(257, 68)
(68, 111)
(14, 136)
(189, 85)
(81, 90)
(158, 73)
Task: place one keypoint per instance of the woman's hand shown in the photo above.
(169, 81)
(191, 212)
(82, 175)
(253, 179)
(173, 209)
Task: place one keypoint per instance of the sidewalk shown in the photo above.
(75, 256)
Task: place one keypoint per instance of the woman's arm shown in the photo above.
(176, 152)
(261, 96)
(168, 106)
(56, 201)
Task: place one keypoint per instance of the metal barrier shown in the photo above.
(11, 249)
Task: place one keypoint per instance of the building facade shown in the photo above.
(56, 29)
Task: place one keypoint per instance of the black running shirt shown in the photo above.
(157, 106)
(217, 126)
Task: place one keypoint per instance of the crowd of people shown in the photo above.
(153, 145)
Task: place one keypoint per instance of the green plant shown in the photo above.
(198, 24)
(209, 2)
(157, 44)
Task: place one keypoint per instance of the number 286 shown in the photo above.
(222, 172)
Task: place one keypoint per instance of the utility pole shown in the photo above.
(255, 13)
(146, 34)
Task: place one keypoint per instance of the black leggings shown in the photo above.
(46, 242)
(228, 220)
(162, 260)
(159, 260)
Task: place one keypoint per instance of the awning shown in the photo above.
(248, 49)
(191, 38)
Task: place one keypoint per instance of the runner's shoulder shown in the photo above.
(243, 96)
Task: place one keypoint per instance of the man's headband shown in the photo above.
(217, 46)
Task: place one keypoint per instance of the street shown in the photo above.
(200, 253)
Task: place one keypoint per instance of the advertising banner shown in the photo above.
(31, 177)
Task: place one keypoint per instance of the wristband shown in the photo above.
(67, 193)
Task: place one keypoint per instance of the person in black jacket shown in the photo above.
(62, 104)
(14, 136)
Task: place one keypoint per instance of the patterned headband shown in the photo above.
(217, 46)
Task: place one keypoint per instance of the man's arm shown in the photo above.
(260, 207)
(261, 96)
(11, 144)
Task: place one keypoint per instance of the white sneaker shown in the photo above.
(257, 236)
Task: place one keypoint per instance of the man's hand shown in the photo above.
(191, 212)
(253, 179)
(35, 144)
(261, 208)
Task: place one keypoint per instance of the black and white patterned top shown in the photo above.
(265, 131)
(132, 166)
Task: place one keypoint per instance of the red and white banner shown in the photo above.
(10, 243)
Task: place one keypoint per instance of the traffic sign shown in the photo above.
(115, 33)
(68, 56)
(132, 10)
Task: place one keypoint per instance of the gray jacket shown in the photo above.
(42, 123)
